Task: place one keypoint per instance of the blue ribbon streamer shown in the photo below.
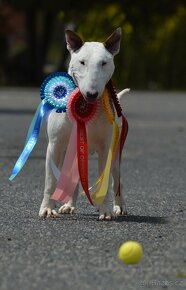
(54, 93)
(32, 137)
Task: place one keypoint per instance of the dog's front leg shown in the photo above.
(47, 208)
(69, 207)
(106, 209)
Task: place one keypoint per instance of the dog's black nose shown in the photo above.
(92, 96)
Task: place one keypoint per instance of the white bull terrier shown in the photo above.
(91, 67)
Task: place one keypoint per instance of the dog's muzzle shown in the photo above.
(91, 97)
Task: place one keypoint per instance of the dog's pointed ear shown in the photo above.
(112, 43)
(74, 41)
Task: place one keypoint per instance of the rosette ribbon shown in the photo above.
(75, 165)
(116, 145)
(124, 128)
(103, 183)
(54, 93)
(59, 92)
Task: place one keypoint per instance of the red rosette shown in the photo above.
(79, 109)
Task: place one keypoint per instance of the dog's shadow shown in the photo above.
(128, 218)
(142, 219)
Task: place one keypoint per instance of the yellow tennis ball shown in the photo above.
(130, 252)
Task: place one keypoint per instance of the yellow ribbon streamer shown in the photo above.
(103, 181)
(100, 194)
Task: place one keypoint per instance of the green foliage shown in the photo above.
(168, 47)
(98, 22)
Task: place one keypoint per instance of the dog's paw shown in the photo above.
(108, 216)
(66, 209)
(47, 212)
(119, 210)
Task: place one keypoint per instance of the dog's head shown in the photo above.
(92, 63)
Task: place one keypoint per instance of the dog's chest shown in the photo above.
(98, 131)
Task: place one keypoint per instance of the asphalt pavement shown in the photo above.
(77, 251)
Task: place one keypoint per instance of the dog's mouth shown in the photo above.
(89, 100)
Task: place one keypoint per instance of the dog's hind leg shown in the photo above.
(119, 204)
(47, 208)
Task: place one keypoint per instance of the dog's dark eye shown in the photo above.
(103, 63)
(82, 62)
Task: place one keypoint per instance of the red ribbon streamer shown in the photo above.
(82, 154)
(124, 130)
(123, 136)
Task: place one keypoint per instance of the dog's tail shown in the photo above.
(120, 97)
(122, 93)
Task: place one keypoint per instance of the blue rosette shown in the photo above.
(54, 93)
(56, 89)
